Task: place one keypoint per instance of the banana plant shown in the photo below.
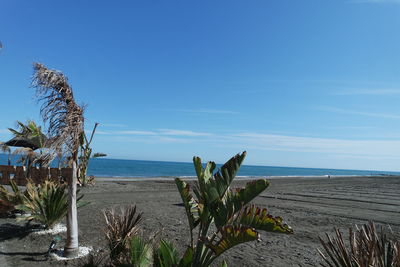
(214, 202)
(85, 155)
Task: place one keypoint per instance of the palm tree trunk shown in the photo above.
(71, 248)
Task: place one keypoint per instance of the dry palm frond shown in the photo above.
(120, 227)
(59, 109)
(366, 248)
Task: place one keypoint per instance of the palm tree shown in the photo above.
(6, 149)
(65, 127)
(30, 131)
(30, 138)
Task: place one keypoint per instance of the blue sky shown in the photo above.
(295, 83)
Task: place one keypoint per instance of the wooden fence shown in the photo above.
(38, 175)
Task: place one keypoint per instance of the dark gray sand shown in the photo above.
(312, 206)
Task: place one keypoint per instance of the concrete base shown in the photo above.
(71, 252)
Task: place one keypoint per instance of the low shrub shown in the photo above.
(121, 225)
(366, 248)
(46, 203)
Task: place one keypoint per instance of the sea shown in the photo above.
(105, 167)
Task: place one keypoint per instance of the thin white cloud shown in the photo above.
(209, 111)
(112, 125)
(351, 127)
(151, 139)
(125, 132)
(372, 92)
(361, 113)
(382, 148)
(159, 132)
(376, 148)
(376, 1)
(135, 132)
(182, 132)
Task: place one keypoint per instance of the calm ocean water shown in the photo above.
(141, 168)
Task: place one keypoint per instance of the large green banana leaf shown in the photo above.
(235, 200)
(204, 175)
(191, 205)
(231, 236)
(259, 219)
(226, 174)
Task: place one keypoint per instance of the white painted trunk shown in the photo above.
(72, 246)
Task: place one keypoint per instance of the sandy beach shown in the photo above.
(312, 206)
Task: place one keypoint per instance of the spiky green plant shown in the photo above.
(46, 203)
(166, 255)
(14, 197)
(366, 248)
(141, 252)
(215, 202)
(121, 226)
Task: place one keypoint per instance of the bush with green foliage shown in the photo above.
(46, 203)
(215, 202)
(121, 227)
(366, 248)
(219, 218)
